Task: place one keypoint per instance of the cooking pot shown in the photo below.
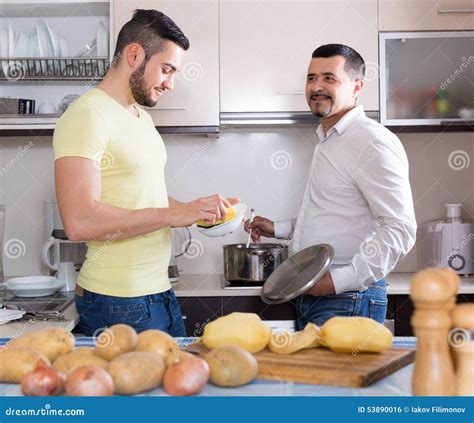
(253, 264)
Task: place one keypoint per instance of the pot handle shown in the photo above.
(51, 242)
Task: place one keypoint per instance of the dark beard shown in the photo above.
(323, 114)
(138, 87)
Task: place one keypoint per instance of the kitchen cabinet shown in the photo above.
(403, 311)
(425, 15)
(266, 46)
(198, 311)
(195, 97)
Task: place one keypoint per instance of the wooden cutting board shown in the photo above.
(322, 366)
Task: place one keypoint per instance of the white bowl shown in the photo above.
(28, 292)
(227, 227)
(9, 315)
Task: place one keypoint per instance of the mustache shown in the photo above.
(319, 93)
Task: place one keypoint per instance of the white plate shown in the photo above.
(54, 41)
(227, 227)
(37, 292)
(31, 282)
(102, 40)
(21, 48)
(9, 315)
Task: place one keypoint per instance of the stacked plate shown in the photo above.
(34, 286)
(9, 315)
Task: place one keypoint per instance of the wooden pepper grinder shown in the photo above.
(461, 340)
(433, 295)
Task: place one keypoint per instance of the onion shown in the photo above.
(89, 381)
(43, 381)
(187, 377)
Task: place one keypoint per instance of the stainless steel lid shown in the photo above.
(297, 274)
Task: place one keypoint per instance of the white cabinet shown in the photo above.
(266, 46)
(194, 100)
(426, 15)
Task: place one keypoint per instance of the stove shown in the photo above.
(240, 284)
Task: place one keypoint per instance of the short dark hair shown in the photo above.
(355, 65)
(149, 28)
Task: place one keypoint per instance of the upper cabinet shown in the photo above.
(194, 100)
(266, 47)
(426, 15)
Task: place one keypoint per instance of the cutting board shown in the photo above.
(322, 366)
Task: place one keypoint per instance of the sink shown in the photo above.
(57, 302)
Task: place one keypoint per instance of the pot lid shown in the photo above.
(297, 274)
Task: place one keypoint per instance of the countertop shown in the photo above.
(397, 384)
(201, 285)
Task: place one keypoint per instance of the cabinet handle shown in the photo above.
(290, 92)
(165, 108)
(440, 11)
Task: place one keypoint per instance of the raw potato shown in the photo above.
(355, 335)
(115, 340)
(283, 342)
(52, 342)
(136, 372)
(16, 362)
(160, 343)
(231, 366)
(78, 357)
(243, 329)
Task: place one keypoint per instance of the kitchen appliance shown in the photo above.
(173, 272)
(447, 242)
(298, 274)
(59, 255)
(250, 267)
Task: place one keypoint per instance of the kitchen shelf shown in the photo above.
(52, 68)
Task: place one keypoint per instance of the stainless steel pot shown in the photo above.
(253, 264)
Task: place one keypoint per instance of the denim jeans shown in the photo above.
(158, 311)
(370, 303)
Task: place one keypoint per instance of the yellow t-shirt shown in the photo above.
(132, 156)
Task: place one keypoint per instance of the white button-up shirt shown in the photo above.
(357, 199)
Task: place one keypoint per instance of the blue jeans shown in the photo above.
(158, 311)
(370, 303)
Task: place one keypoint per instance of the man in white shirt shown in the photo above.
(357, 197)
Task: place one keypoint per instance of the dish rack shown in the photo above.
(53, 68)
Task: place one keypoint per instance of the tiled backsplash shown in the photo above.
(265, 167)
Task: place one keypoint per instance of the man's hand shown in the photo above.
(210, 209)
(260, 227)
(325, 286)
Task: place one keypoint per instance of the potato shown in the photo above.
(16, 362)
(355, 335)
(136, 372)
(231, 366)
(160, 343)
(243, 329)
(115, 340)
(52, 342)
(78, 357)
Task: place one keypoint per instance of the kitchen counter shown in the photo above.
(210, 286)
(397, 384)
(14, 329)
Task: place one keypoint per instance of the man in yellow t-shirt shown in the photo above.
(110, 184)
